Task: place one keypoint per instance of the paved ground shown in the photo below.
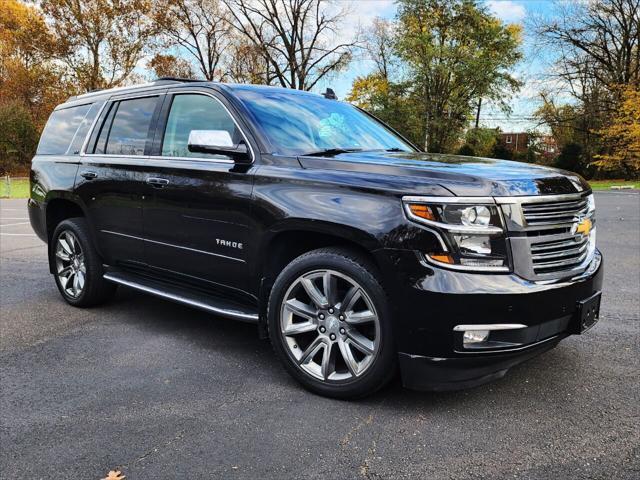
(165, 392)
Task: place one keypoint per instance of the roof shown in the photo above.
(164, 81)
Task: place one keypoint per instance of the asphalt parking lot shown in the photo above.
(161, 391)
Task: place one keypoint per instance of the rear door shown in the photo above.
(110, 176)
(196, 211)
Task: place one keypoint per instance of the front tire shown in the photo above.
(330, 324)
(77, 266)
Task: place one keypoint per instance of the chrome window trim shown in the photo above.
(490, 326)
(162, 157)
(109, 101)
(94, 158)
(242, 132)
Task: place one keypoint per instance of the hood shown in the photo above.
(462, 176)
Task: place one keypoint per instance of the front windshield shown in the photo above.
(298, 124)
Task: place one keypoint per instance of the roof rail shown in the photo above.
(176, 80)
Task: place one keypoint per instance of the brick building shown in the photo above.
(517, 142)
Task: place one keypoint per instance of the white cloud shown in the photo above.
(507, 10)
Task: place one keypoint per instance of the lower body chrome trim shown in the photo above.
(489, 326)
(235, 314)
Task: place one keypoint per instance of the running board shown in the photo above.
(209, 303)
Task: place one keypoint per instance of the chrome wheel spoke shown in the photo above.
(328, 361)
(315, 295)
(350, 299)
(301, 309)
(61, 254)
(311, 351)
(76, 284)
(68, 284)
(298, 328)
(64, 275)
(347, 356)
(329, 284)
(361, 342)
(81, 279)
(358, 318)
(325, 336)
(65, 245)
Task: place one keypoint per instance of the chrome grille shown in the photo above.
(542, 235)
(558, 255)
(551, 213)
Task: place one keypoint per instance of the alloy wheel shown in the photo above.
(330, 326)
(70, 265)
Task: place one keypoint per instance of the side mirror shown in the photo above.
(217, 142)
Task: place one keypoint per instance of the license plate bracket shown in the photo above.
(588, 312)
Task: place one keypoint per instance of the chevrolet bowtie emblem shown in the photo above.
(583, 227)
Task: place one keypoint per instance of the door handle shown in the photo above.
(157, 182)
(89, 175)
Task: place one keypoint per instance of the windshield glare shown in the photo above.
(298, 124)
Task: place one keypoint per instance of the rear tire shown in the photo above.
(330, 324)
(77, 265)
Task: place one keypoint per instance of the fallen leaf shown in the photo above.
(114, 475)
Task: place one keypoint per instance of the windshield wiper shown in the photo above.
(330, 152)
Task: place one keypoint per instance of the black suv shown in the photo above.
(354, 252)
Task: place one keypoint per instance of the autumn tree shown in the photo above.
(456, 52)
(382, 92)
(622, 137)
(170, 66)
(248, 64)
(598, 45)
(101, 41)
(201, 29)
(31, 83)
(298, 39)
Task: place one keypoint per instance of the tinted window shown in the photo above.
(101, 142)
(60, 130)
(83, 129)
(194, 112)
(297, 123)
(131, 121)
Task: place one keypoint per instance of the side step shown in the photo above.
(210, 303)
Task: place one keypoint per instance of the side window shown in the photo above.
(83, 129)
(126, 127)
(194, 112)
(60, 130)
(101, 142)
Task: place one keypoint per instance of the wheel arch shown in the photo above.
(294, 238)
(59, 207)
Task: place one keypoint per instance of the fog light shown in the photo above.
(472, 337)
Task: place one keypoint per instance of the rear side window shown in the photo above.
(61, 129)
(83, 129)
(126, 127)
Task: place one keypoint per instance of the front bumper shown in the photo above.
(431, 355)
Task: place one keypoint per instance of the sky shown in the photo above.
(532, 70)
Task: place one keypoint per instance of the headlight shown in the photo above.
(470, 230)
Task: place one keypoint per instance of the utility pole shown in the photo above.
(478, 113)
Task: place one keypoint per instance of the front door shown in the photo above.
(109, 179)
(196, 208)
